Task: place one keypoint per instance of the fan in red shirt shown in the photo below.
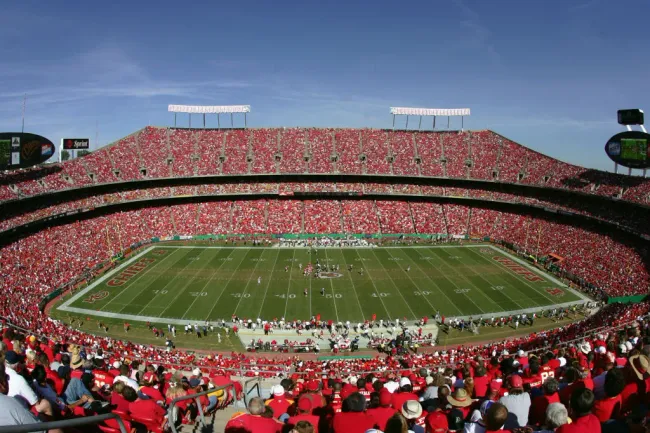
(532, 377)
(537, 413)
(149, 387)
(355, 420)
(253, 422)
(610, 406)
(405, 394)
(304, 414)
(279, 403)
(384, 411)
(481, 382)
(144, 409)
(582, 402)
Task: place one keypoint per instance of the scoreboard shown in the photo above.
(629, 149)
(22, 149)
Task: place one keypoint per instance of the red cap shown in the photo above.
(149, 377)
(437, 422)
(345, 392)
(385, 397)
(304, 404)
(495, 385)
(515, 381)
(312, 385)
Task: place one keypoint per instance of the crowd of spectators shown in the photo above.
(292, 146)
(616, 268)
(598, 369)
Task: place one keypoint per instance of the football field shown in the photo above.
(170, 283)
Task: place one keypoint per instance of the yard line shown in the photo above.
(356, 295)
(416, 286)
(223, 262)
(442, 260)
(286, 301)
(442, 292)
(487, 280)
(327, 260)
(455, 285)
(275, 264)
(124, 290)
(248, 283)
(180, 292)
(373, 284)
(522, 279)
(396, 288)
(223, 289)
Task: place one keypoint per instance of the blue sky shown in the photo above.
(549, 74)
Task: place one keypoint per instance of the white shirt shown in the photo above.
(18, 387)
(127, 381)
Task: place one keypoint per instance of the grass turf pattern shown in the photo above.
(199, 283)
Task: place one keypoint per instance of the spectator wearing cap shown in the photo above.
(436, 422)
(517, 402)
(18, 386)
(196, 386)
(353, 419)
(253, 421)
(415, 416)
(496, 418)
(539, 404)
(303, 409)
(144, 408)
(555, 417)
(278, 402)
(405, 393)
(610, 406)
(461, 400)
(311, 391)
(582, 403)
(384, 411)
(149, 388)
(13, 413)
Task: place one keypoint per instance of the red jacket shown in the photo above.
(352, 422)
(147, 409)
(313, 419)
(584, 424)
(537, 412)
(280, 405)
(607, 408)
(253, 424)
(381, 415)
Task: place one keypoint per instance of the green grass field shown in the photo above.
(188, 284)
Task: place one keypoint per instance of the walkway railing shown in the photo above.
(197, 398)
(73, 422)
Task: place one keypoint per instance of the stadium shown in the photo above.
(318, 236)
(335, 257)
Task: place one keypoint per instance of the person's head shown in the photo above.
(39, 374)
(396, 424)
(556, 416)
(303, 427)
(338, 386)
(571, 375)
(496, 416)
(124, 370)
(515, 384)
(551, 386)
(479, 371)
(356, 402)
(118, 387)
(443, 395)
(129, 394)
(582, 401)
(361, 383)
(4, 383)
(304, 405)
(614, 382)
(256, 406)
(13, 360)
(385, 398)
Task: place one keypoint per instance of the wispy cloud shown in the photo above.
(583, 6)
(479, 32)
(555, 122)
